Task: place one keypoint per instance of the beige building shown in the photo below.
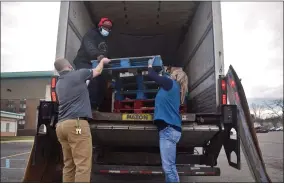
(9, 123)
(21, 93)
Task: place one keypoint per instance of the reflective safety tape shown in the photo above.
(157, 172)
(130, 172)
(193, 173)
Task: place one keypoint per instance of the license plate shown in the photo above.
(137, 117)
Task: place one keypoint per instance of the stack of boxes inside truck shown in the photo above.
(133, 91)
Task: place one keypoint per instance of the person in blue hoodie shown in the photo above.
(171, 94)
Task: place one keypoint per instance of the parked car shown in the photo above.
(261, 130)
(272, 129)
(279, 129)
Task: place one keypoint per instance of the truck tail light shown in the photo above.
(53, 82)
(223, 85)
(53, 96)
(53, 86)
(224, 99)
(223, 91)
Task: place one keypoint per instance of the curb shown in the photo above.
(14, 141)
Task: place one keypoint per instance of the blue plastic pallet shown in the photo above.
(146, 83)
(132, 63)
(124, 64)
(139, 94)
(140, 88)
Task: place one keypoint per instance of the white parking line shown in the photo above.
(11, 168)
(15, 155)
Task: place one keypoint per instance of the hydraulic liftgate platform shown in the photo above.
(247, 133)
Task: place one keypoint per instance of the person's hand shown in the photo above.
(150, 62)
(100, 57)
(105, 60)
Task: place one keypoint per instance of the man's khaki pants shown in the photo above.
(77, 150)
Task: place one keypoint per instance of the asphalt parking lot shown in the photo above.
(14, 158)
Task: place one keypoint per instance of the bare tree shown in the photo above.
(276, 108)
(257, 111)
(252, 116)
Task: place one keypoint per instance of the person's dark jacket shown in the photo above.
(93, 45)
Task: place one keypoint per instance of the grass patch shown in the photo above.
(16, 138)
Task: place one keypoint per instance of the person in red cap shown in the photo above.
(94, 47)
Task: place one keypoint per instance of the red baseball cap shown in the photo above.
(105, 22)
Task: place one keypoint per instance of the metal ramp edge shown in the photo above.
(249, 141)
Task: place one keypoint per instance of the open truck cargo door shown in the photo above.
(249, 142)
(46, 160)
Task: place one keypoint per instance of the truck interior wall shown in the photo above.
(195, 53)
(145, 28)
(197, 56)
(143, 45)
(78, 23)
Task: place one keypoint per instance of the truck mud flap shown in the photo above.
(249, 141)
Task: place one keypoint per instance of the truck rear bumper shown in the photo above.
(183, 170)
(146, 135)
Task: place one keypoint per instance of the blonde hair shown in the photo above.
(180, 76)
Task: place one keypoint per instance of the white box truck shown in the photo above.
(188, 34)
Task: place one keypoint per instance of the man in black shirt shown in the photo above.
(94, 47)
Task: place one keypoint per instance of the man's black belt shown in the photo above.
(84, 118)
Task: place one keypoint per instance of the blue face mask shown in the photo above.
(104, 32)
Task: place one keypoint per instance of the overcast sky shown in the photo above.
(28, 35)
(253, 44)
(252, 35)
